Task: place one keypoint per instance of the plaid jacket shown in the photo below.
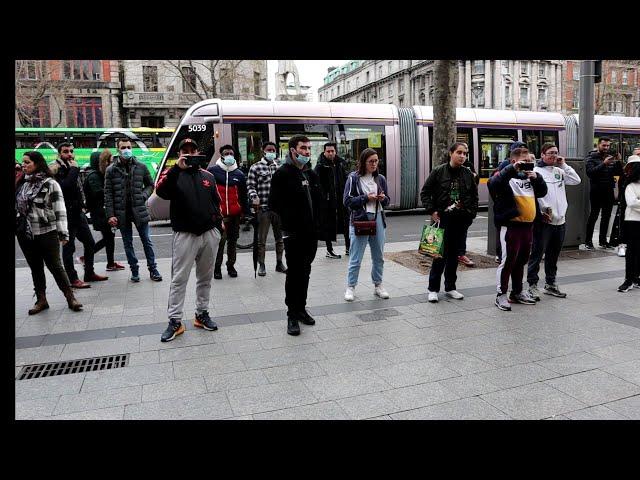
(259, 181)
(48, 211)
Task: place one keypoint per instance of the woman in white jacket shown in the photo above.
(632, 225)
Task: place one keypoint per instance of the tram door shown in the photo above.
(247, 140)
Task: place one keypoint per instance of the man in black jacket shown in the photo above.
(333, 176)
(601, 168)
(296, 197)
(66, 172)
(197, 224)
(127, 187)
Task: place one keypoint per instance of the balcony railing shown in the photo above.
(158, 98)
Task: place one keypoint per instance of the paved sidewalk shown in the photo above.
(402, 358)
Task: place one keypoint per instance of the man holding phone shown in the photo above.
(196, 221)
(602, 166)
(549, 226)
(514, 190)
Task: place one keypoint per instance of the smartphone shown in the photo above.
(196, 161)
(527, 166)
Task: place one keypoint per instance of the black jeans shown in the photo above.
(601, 199)
(300, 252)
(632, 257)
(547, 241)
(78, 228)
(230, 237)
(40, 251)
(455, 231)
(108, 241)
(347, 238)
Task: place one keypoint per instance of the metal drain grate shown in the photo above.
(73, 366)
(378, 315)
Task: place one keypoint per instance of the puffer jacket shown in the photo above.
(601, 175)
(136, 183)
(232, 188)
(94, 193)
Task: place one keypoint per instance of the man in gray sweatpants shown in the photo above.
(197, 224)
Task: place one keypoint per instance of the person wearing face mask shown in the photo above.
(127, 187)
(450, 196)
(66, 172)
(258, 188)
(514, 190)
(296, 197)
(232, 187)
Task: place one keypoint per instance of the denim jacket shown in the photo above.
(356, 200)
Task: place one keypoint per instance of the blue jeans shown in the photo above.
(356, 252)
(127, 239)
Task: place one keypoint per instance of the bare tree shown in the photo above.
(34, 83)
(205, 82)
(444, 108)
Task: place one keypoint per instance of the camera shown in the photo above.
(196, 161)
(527, 166)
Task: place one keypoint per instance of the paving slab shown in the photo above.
(408, 398)
(49, 386)
(345, 385)
(629, 371)
(316, 411)
(127, 377)
(111, 413)
(594, 387)
(464, 409)
(599, 412)
(628, 407)
(39, 407)
(264, 398)
(98, 400)
(173, 389)
(199, 367)
(282, 356)
(574, 363)
(413, 373)
(209, 406)
(236, 380)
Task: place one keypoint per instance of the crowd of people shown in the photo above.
(304, 205)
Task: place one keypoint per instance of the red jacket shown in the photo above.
(232, 187)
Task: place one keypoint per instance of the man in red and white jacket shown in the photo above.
(232, 187)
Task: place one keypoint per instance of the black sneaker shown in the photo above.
(589, 246)
(636, 283)
(331, 254)
(204, 321)
(626, 286)
(280, 268)
(232, 272)
(605, 246)
(293, 328)
(261, 270)
(217, 273)
(346, 252)
(155, 275)
(306, 318)
(173, 330)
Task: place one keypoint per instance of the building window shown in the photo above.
(576, 71)
(507, 95)
(390, 89)
(380, 92)
(367, 77)
(614, 76)
(39, 115)
(624, 77)
(390, 64)
(188, 79)
(82, 70)
(542, 98)
(226, 80)
(401, 101)
(524, 68)
(150, 78)
(152, 122)
(506, 67)
(84, 112)
(380, 71)
(542, 69)
(576, 100)
(524, 96)
(27, 70)
(256, 84)
(422, 81)
(431, 96)
(478, 67)
(400, 86)
(348, 86)
(358, 80)
(338, 90)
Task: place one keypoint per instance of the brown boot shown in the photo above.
(41, 304)
(74, 304)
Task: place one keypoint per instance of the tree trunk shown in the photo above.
(444, 109)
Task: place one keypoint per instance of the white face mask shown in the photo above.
(229, 160)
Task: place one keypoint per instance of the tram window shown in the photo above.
(247, 140)
(466, 135)
(532, 139)
(549, 137)
(629, 142)
(319, 134)
(202, 134)
(353, 139)
(494, 148)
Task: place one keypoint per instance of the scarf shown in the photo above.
(24, 199)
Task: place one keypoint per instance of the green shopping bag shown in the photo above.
(432, 240)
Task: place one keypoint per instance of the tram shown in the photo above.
(401, 136)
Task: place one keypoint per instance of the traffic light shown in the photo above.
(597, 71)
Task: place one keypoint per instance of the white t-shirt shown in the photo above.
(369, 185)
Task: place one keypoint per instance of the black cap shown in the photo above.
(515, 145)
(187, 141)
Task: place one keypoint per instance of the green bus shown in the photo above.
(149, 144)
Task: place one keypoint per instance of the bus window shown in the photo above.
(353, 139)
(162, 139)
(84, 139)
(27, 140)
(629, 142)
(247, 140)
(318, 134)
(494, 148)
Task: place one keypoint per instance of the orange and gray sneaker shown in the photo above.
(203, 320)
(173, 330)
(466, 261)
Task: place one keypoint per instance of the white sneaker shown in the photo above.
(349, 294)
(622, 250)
(433, 296)
(380, 292)
(454, 294)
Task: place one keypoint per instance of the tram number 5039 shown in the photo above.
(197, 128)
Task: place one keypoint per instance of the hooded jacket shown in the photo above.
(556, 198)
(94, 192)
(195, 203)
(135, 183)
(232, 188)
(601, 175)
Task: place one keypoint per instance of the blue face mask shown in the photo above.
(302, 160)
(127, 153)
(229, 160)
(271, 156)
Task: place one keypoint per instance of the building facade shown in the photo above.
(156, 93)
(67, 93)
(534, 85)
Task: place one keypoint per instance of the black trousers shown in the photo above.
(108, 242)
(547, 241)
(78, 228)
(345, 230)
(40, 251)
(455, 233)
(230, 237)
(299, 252)
(632, 257)
(601, 199)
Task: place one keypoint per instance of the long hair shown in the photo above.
(362, 161)
(105, 160)
(39, 161)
